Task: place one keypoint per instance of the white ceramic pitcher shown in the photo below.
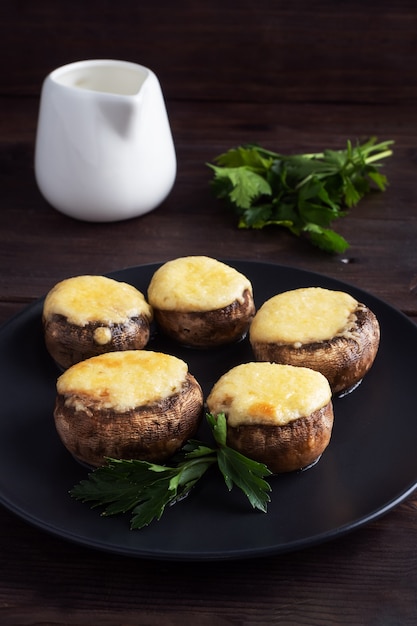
(104, 149)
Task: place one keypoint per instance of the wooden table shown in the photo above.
(295, 77)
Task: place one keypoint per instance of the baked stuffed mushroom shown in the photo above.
(279, 415)
(135, 404)
(201, 302)
(85, 316)
(328, 331)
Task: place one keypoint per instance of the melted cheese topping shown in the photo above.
(303, 316)
(268, 393)
(85, 299)
(196, 283)
(122, 380)
(102, 335)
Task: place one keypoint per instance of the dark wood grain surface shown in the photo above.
(295, 77)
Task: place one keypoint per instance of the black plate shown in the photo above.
(369, 467)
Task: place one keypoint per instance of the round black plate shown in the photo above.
(369, 467)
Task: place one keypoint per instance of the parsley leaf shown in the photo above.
(145, 489)
(247, 476)
(303, 193)
(243, 184)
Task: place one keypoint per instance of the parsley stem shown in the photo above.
(191, 470)
(377, 157)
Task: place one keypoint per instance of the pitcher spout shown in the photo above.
(120, 116)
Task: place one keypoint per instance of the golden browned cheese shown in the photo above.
(85, 299)
(268, 394)
(302, 316)
(196, 283)
(122, 380)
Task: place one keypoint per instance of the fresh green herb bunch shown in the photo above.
(146, 489)
(303, 193)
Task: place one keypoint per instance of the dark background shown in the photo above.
(335, 51)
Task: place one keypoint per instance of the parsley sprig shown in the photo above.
(145, 489)
(303, 193)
